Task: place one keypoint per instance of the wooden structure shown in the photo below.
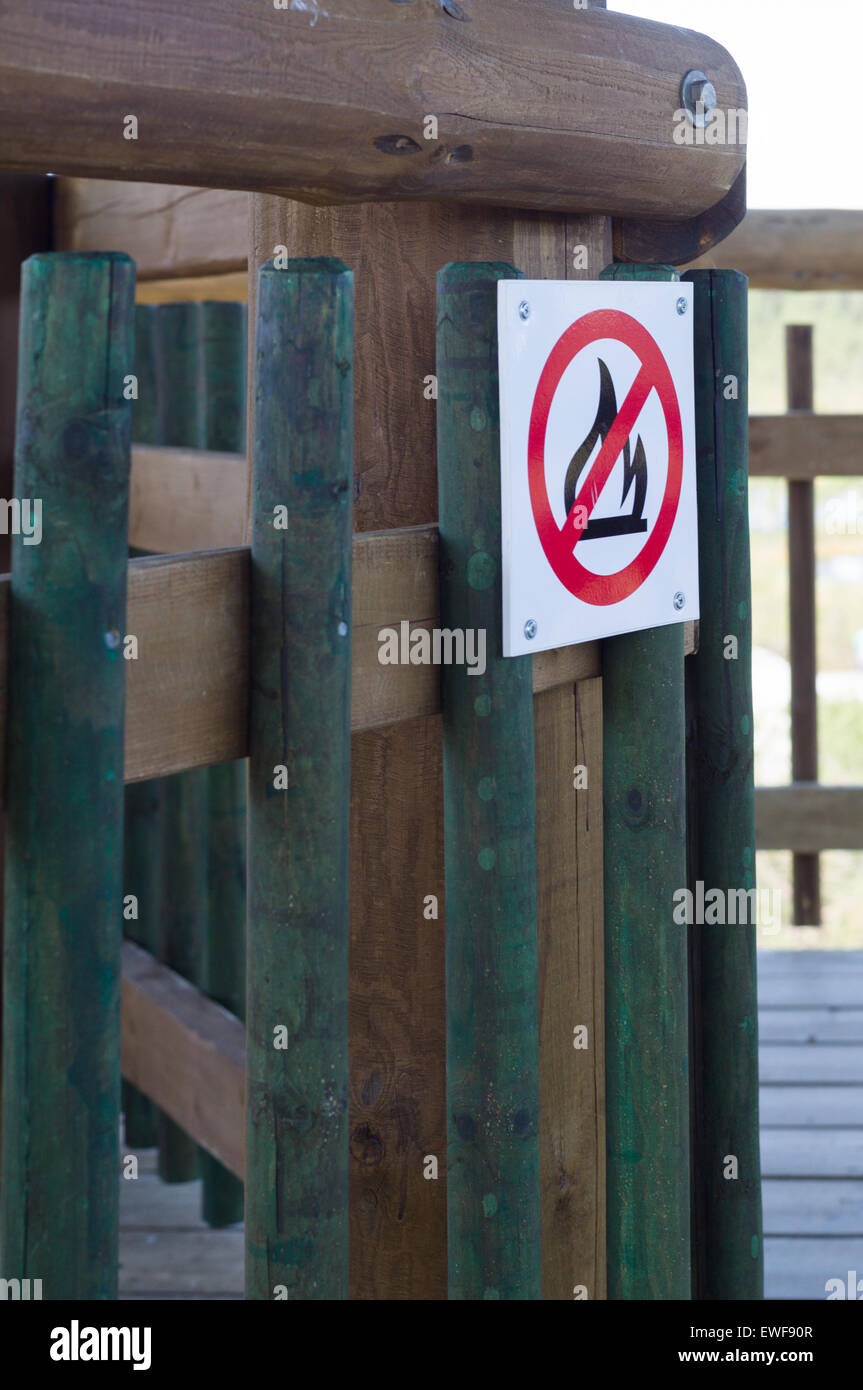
(540, 140)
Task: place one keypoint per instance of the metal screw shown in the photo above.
(698, 96)
(679, 600)
(112, 639)
(530, 629)
(681, 305)
(524, 310)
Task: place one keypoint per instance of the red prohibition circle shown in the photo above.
(654, 374)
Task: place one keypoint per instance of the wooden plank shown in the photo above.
(727, 1248)
(805, 446)
(299, 781)
(186, 1052)
(568, 735)
(811, 1025)
(230, 288)
(831, 1064)
(796, 250)
(806, 890)
(186, 1263)
(796, 1153)
(822, 1106)
(804, 964)
(823, 989)
(493, 1206)
(186, 499)
(809, 817)
(813, 1207)
(646, 993)
(539, 106)
(64, 824)
(168, 230)
(801, 1268)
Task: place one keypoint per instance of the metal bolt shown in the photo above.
(698, 96)
(524, 310)
(530, 629)
(112, 639)
(682, 305)
(679, 600)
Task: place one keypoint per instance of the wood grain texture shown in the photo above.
(539, 106)
(568, 735)
(493, 1198)
(298, 830)
(727, 1253)
(64, 833)
(809, 817)
(168, 230)
(647, 1096)
(232, 287)
(805, 446)
(186, 1052)
(794, 250)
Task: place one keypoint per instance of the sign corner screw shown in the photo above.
(682, 305)
(679, 600)
(530, 629)
(524, 310)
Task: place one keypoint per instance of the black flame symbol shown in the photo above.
(634, 469)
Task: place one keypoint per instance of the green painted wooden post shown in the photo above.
(64, 838)
(489, 832)
(647, 1095)
(142, 858)
(727, 1241)
(222, 393)
(297, 938)
(184, 817)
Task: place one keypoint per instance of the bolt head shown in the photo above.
(530, 629)
(679, 600)
(682, 305)
(698, 96)
(524, 310)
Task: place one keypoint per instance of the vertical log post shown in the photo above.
(489, 831)
(142, 831)
(647, 1098)
(299, 785)
(184, 819)
(726, 1239)
(64, 847)
(801, 593)
(222, 393)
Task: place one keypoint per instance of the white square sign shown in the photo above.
(597, 434)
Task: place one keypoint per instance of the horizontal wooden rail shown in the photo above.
(819, 250)
(807, 818)
(805, 446)
(186, 1053)
(540, 106)
(187, 692)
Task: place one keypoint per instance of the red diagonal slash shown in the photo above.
(612, 447)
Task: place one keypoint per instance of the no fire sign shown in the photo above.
(597, 428)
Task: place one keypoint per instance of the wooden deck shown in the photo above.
(811, 1022)
(811, 1034)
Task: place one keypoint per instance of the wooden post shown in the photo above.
(726, 1207)
(184, 846)
(801, 594)
(222, 388)
(489, 831)
(61, 1055)
(647, 1100)
(142, 853)
(299, 786)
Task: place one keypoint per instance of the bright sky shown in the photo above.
(798, 58)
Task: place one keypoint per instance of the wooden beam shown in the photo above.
(807, 818)
(541, 105)
(186, 499)
(818, 250)
(186, 1053)
(805, 446)
(169, 231)
(187, 694)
